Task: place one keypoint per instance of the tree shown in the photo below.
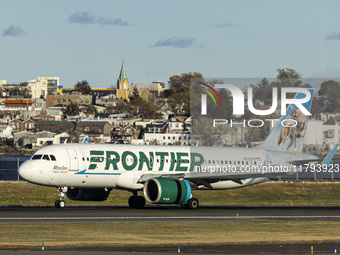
(326, 85)
(71, 109)
(288, 77)
(179, 97)
(177, 82)
(83, 87)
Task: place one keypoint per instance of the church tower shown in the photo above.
(123, 81)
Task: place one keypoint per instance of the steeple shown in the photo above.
(123, 81)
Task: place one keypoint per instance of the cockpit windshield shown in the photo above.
(37, 156)
(44, 157)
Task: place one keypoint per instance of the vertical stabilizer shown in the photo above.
(287, 135)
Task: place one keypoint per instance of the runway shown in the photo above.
(168, 214)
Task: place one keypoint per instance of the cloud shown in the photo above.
(175, 42)
(334, 36)
(13, 30)
(223, 25)
(88, 18)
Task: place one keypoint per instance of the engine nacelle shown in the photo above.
(87, 194)
(167, 191)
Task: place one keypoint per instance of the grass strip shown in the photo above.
(269, 193)
(57, 235)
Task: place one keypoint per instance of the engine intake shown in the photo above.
(167, 191)
(87, 194)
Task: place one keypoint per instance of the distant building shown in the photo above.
(126, 133)
(6, 132)
(96, 130)
(154, 88)
(22, 125)
(64, 100)
(177, 123)
(54, 126)
(43, 86)
(18, 103)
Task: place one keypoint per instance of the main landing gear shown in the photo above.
(136, 201)
(61, 203)
(192, 204)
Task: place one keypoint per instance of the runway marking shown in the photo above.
(175, 217)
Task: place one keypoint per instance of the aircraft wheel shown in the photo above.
(60, 203)
(193, 203)
(139, 202)
(132, 202)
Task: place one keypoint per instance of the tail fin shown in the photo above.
(289, 136)
(330, 156)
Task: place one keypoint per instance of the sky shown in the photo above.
(87, 40)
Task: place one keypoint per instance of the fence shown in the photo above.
(9, 168)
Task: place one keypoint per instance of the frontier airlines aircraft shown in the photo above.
(166, 174)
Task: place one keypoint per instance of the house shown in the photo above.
(97, 131)
(64, 100)
(43, 116)
(177, 123)
(39, 139)
(126, 133)
(22, 125)
(18, 103)
(5, 118)
(6, 132)
(54, 126)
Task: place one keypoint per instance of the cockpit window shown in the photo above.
(52, 157)
(38, 156)
(46, 157)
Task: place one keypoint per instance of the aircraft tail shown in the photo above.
(288, 133)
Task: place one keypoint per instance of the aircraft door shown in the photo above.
(268, 159)
(73, 159)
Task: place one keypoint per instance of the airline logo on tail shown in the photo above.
(289, 132)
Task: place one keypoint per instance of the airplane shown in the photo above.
(165, 174)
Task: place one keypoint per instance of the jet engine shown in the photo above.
(167, 191)
(87, 194)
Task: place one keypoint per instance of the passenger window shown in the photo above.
(46, 157)
(53, 157)
(37, 157)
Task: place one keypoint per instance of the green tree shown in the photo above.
(179, 97)
(288, 77)
(177, 82)
(83, 87)
(326, 85)
(71, 109)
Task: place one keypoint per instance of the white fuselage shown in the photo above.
(122, 166)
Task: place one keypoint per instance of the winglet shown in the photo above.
(329, 156)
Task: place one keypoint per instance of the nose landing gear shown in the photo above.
(61, 203)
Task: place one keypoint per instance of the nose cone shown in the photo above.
(25, 171)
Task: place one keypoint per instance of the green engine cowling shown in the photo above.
(167, 191)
